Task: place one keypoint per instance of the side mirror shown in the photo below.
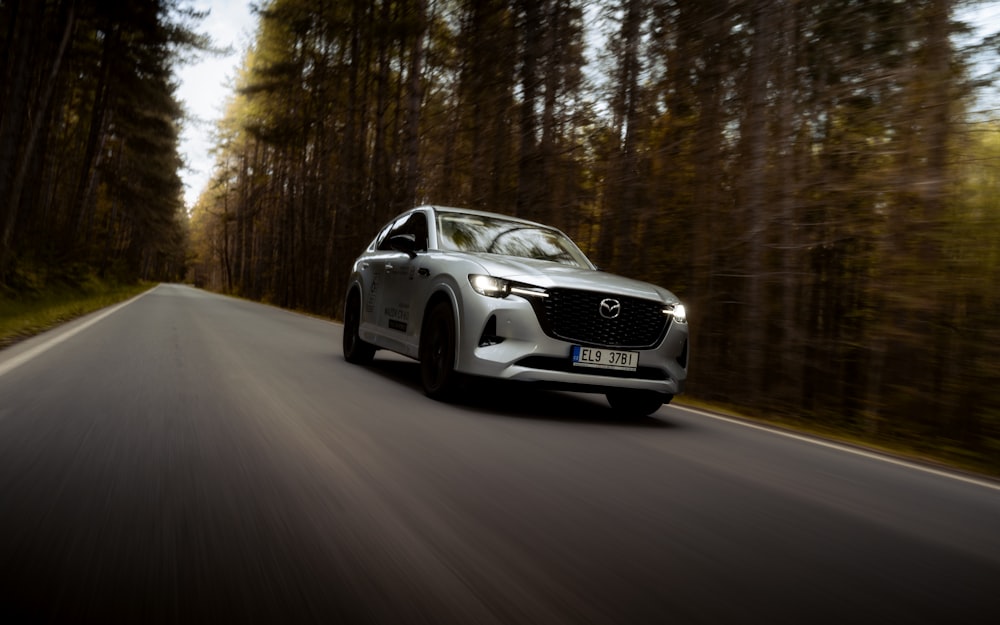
(406, 243)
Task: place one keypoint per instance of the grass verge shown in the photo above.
(932, 453)
(24, 316)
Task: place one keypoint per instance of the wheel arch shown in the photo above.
(355, 349)
(354, 284)
(445, 292)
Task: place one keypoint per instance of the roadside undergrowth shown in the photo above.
(25, 314)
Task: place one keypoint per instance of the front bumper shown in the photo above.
(502, 338)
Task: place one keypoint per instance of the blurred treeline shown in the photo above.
(89, 167)
(807, 175)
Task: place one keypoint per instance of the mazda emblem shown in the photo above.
(610, 308)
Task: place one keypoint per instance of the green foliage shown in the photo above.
(45, 303)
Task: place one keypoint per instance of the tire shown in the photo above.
(356, 350)
(632, 403)
(437, 352)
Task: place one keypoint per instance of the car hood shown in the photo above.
(547, 275)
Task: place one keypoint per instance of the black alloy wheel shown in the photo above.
(437, 352)
(356, 350)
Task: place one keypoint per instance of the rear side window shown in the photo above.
(414, 224)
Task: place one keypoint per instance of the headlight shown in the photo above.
(498, 287)
(677, 311)
(489, 286)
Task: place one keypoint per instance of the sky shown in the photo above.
(985, 20)
(206, 84)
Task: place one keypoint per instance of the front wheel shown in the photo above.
(636, 403)
(356, 350)
(437, 352)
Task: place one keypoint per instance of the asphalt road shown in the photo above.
(191, 458)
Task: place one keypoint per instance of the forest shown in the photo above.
(816, 179)
(89, 164)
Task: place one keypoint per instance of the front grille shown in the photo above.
(575, 316)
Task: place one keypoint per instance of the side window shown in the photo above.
(417, 226)
(379, 239)
(390, 232)
(414, 224)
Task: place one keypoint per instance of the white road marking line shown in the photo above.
(41, 348)
(872, 455)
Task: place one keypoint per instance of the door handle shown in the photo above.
(388, 268)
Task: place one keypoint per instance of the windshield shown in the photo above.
(459, 232)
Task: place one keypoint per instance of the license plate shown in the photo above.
(605, 358)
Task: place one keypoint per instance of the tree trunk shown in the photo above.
(528, 173)
(754, 136)
(23, 33)
(413, 104)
